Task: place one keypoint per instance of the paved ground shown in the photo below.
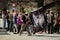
(24, 36)
(11, 36)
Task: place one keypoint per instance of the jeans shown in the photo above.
(50, 28)
(30, 28)
(8, 24)
(11, 26)
(19, 27)
(4, 24)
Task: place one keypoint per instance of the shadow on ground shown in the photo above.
(47, 36)
(4, 33)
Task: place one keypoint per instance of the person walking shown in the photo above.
(8, 21)
(45, 23)
(26, 21)
(50, 22)
(11, 22)
(58, 22)
(19, 21)
(4, 15)
(15, 29)
(31, 23)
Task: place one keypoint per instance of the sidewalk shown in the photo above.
(24, 36)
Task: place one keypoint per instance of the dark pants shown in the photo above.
(50, 28)
(56, 28)
(11, 26)
(23, 26)
(19, 27)
(4, 24)
(45, 26)
(8, 24)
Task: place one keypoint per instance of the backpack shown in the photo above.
(19, 21)
(24, 18)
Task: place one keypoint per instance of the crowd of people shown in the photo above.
(33, 22)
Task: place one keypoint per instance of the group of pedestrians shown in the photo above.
(17, 21)
(52, 22)
(33, 22)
